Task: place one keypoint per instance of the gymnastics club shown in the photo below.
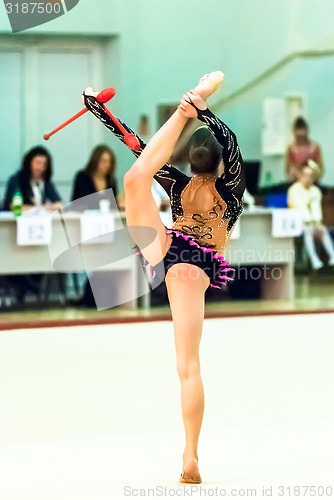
(104, 96)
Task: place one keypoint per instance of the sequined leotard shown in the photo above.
(207, 230)
(210, 228)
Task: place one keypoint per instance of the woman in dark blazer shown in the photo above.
(33, 181)
(98, 178)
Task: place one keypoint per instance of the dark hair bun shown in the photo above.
(205, 152)
(199, 158)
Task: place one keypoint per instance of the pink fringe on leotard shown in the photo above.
(221, 279)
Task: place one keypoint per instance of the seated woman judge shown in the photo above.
(33, 181)
(94, 183)
(98, 178)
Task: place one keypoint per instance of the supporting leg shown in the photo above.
(186, 285)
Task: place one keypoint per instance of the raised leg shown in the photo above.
(140, 208)
(186, 285)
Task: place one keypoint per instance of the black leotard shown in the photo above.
(211, 228)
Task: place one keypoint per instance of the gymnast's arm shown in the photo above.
(234, 175)
(166, 176)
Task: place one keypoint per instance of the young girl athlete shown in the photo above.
(205, 208)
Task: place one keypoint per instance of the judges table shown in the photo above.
(258, 253)
(116, 276)
(253, 249)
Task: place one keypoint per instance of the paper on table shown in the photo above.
(97, 227)
(287, 222)
(34, 230)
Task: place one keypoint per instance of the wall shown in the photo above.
(312, 77)
(161, 49)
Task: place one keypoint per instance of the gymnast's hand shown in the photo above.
(190, 102)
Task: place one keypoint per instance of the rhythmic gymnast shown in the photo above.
(205, 208)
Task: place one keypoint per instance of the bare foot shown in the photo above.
(209, 83)
(190, 473)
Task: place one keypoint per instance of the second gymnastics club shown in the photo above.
(104, 96)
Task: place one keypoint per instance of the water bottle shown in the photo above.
(17, 204)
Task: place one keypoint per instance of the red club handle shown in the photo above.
(104, 96)
(63, 125)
